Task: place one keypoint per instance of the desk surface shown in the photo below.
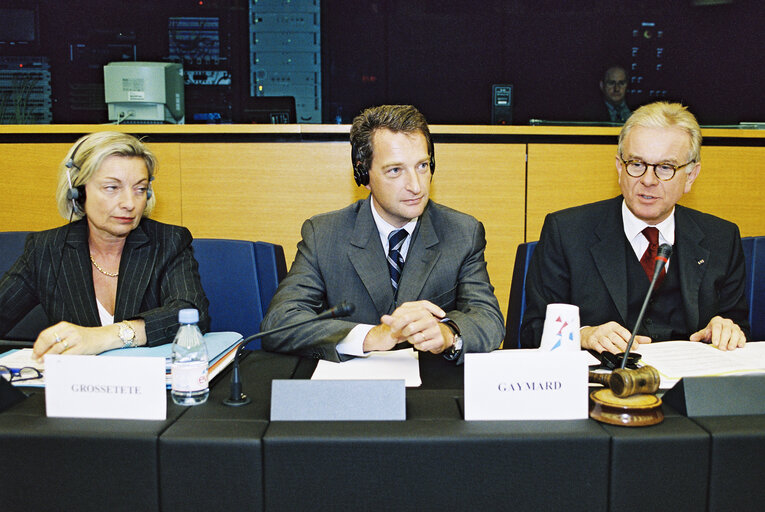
(217, 457)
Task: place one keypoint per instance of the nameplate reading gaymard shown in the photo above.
(526, 385)
(105, 387)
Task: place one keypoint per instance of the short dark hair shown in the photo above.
(396, 118)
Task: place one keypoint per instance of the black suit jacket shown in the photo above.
(581, 259)
(158, 276)
(341, 258)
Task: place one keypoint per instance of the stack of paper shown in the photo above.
(677, 359)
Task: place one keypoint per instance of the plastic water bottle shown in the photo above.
(188, 372)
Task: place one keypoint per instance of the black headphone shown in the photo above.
(361, 170)
(77, 194)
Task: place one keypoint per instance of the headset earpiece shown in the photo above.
(360, 173)
(149, 191)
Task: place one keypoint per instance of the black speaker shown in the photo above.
(718, 396)
(501, 104)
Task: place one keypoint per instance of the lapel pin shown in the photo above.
(700, 262)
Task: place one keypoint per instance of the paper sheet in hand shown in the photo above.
(677, 359)
(396, 364)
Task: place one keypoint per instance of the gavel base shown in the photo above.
(633, 411)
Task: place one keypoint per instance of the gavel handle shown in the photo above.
(625, 382)
(601, 378)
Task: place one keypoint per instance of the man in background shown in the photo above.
(614, 89)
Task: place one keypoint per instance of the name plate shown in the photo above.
(105, 387)
(338, 400)
(526, 384)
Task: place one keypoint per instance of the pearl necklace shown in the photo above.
(104, 272)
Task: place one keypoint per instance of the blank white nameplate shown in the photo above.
(526, 384)
(105, 387)
(338, 400)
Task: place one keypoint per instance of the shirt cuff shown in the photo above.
(353, 343)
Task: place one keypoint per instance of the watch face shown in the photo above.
(126, 333)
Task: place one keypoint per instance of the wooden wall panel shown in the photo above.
(729, 185)
(167, 183)
(488, 182)
(265, 191)
(29, 179)
(565, 175)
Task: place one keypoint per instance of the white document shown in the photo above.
(392, 365)
(677, 359)
(526, 384)
(105, 387)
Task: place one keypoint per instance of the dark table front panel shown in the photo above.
(78, 464)
(737, 468)
(211, 458)
(212, 465)
(436, 465)
(662, 467)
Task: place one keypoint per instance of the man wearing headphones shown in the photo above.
(414, 269)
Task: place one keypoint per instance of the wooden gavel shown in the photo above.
(626, 382)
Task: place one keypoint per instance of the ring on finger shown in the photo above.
(58, 338)
(65, 344)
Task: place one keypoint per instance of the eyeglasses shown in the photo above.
(25, 373)
(664, 171)
(612, 83)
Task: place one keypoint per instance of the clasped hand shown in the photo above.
(415, 322)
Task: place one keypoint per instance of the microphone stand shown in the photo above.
(237, 398)
(664, 252)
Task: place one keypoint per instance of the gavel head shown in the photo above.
(624, 382)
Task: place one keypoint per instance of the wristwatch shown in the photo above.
(127, 335)
(453, 353)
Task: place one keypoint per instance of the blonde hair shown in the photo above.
(85, 157)
(662, 114)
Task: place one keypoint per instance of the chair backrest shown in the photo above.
(11, 247)
(239, 278)
(517, 303)
(754, 254)
(272, 267)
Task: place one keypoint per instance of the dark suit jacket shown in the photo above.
(158, 276)
(581, 259)
(341, 258)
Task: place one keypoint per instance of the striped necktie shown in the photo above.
(395, 260)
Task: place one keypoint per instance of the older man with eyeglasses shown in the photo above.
(592, 255)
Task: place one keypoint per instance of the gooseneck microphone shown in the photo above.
(237, 397)
(662, 256)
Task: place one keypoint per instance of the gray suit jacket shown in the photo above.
(158, 276)
(581, 259)
(341, 258)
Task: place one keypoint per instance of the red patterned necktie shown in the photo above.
(648, 261)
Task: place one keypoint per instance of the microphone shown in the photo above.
(237, 398)
(662, 256)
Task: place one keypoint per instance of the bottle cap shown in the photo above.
(188, 316)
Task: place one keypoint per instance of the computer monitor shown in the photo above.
(144, 92)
